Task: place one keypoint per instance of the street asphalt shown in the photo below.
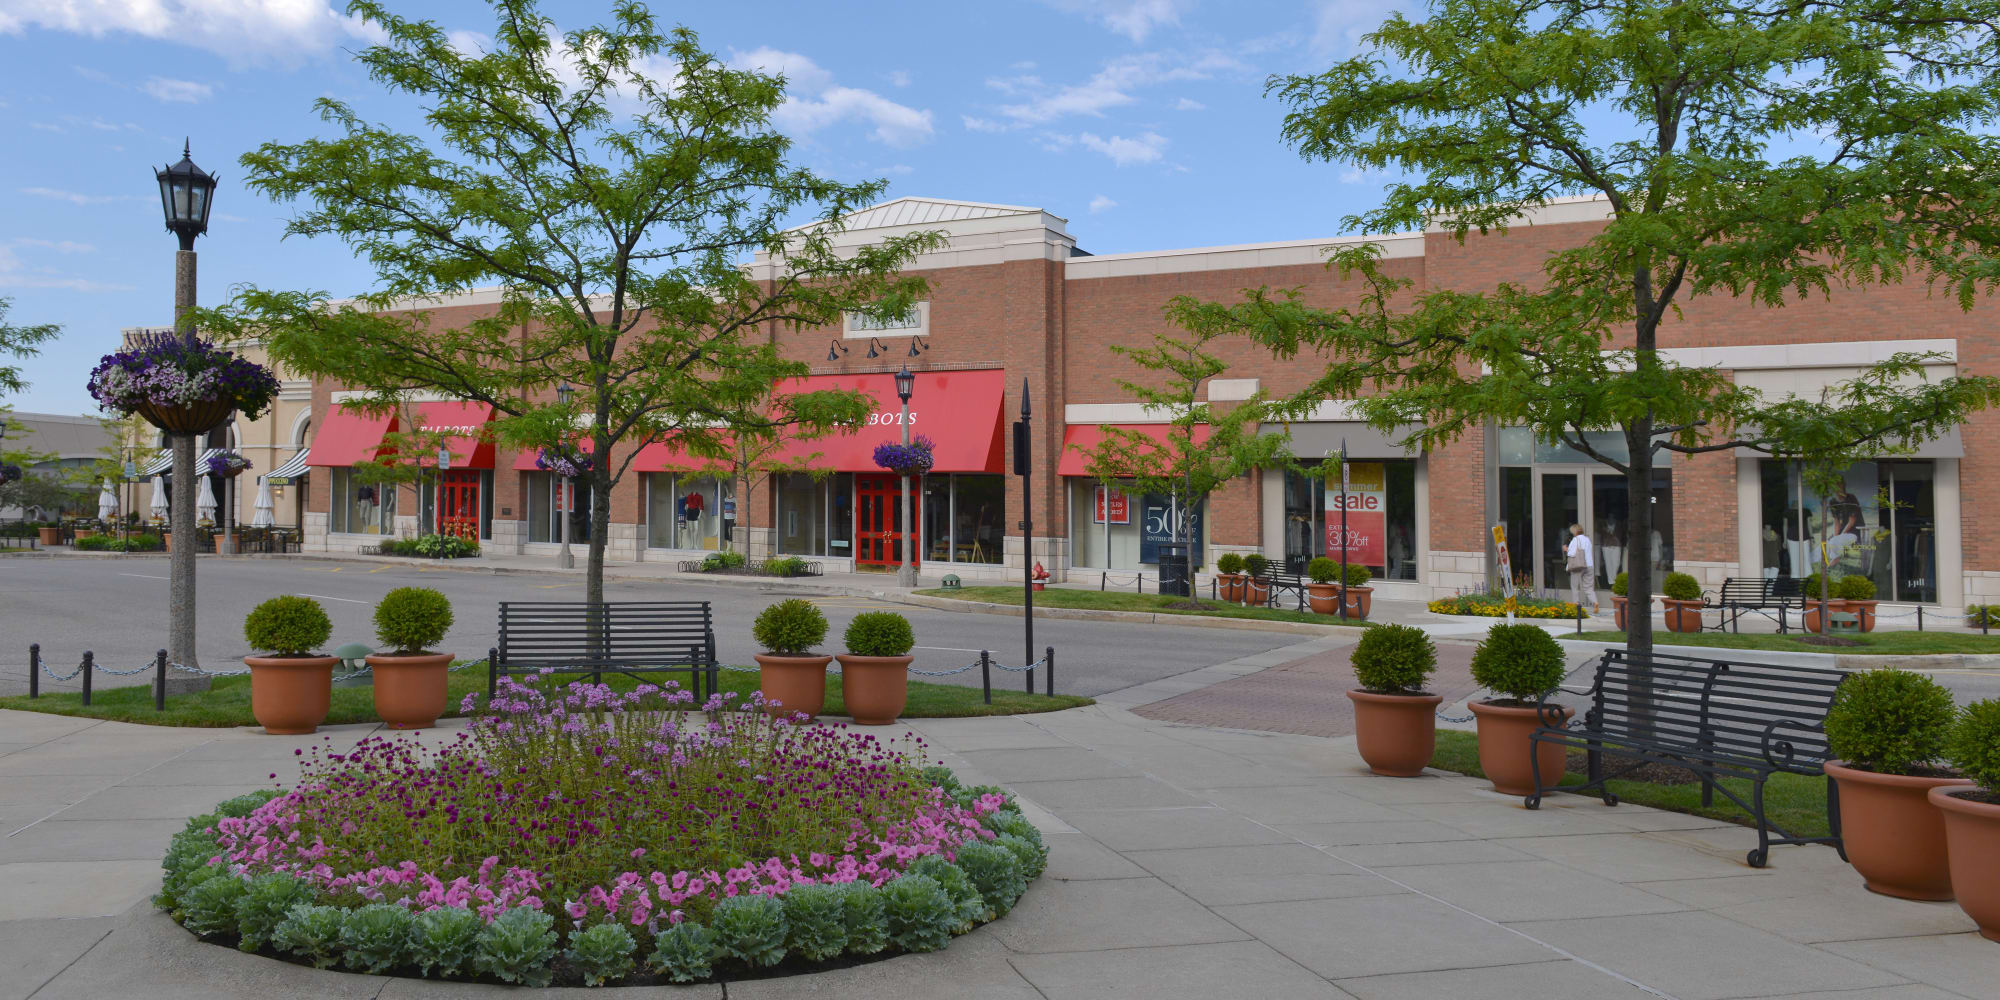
(117, 608)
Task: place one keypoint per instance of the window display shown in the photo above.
(1381, 522)
(1881, 523)
(362, 508)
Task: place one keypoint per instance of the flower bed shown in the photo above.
(587, 836)
(1495, 606)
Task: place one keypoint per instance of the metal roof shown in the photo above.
(59, 435)
(928, 211)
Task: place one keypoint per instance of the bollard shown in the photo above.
(87, 658)
(1049, 685)
(34, 670)
(1579, 611)
(160, 681)
(1920, 618)
(986, 676)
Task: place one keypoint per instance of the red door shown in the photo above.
(877, 520)
(458, 504)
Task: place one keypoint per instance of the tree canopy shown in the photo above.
(20, 342)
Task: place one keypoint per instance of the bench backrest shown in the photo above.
(1758, 711)
(1750, 589)
(640, 633)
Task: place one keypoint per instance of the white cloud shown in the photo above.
(1189, 104)
(1135, 19)
(1101, 204)
(57, 194)
(1124, 152)
(182, 91)
(898, 169)
(243, 32)
(813, 101)
(14, 273)
(469, 43)
(59, 246)
(1361, 175)
(1339, 24)
(973, 124)
(1110, 87)
(899, 78)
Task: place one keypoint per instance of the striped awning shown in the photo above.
(148, 468)
(290, 471)
(164, 464)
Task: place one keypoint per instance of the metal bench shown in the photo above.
(1277, 583)
(628, 637)
(1760, 595)
(1716, 718)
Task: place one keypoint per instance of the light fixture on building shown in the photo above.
(917, 346)
(834, 349)
(875, 348)
(185, 191)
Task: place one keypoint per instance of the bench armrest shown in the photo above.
(1779, 752)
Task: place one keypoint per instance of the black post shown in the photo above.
(1579, 613)
(986, 676)
(1022, 450)
(160, 681)
(34, 670)
(87, 664)
(1343, 530)
(1920, 618)
(493, 674)
(1049, 685)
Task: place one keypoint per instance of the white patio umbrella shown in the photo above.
(107, 502)
(160, 497)
(204, 499)
(266, 514)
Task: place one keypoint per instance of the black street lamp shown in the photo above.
(906, 572)
(187, 192)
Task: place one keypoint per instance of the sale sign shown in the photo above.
(1117, 506)
(1366, 502)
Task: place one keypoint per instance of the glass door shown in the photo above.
(1561, 506)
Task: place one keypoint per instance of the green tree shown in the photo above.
(757, 449)
(614, 210)
(1188, 467)
(20, 342)
(1767, 150)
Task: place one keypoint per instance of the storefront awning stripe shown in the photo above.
(1080, 439)
(291, 470)
(161, 463)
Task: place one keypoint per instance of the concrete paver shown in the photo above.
(1561, 979)
(1186, 972)
(34, 951)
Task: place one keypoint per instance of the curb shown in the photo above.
(1134, 617)
(1838, 661)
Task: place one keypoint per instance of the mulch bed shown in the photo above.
(1577, 762)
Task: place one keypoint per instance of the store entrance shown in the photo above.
(878, 526)
(1538, 505)
(458, 504)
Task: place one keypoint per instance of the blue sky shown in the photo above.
(1143, 122)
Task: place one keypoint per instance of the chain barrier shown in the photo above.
(947, 673)
(1018, 670)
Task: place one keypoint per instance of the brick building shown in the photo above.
(1014, 299)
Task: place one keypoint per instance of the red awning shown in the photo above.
(1079, 439)
(959, 411)
(464, 422)
(348, 437)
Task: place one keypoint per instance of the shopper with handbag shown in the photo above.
(1581, 564)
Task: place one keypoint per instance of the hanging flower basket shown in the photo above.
(227, 465)
(565, 462)
(913, 459)
(181, 387)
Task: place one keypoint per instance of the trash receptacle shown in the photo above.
(1173, 568)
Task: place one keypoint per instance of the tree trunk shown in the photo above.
(600, 519)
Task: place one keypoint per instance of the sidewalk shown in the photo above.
(1185, 862)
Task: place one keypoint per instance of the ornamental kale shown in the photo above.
(913, 459)
(567, 462)
(167, 371)
(683, 952)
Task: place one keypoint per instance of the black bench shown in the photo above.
(627, 637)
(1760, 595)
(1279, 583)
(1716, 718)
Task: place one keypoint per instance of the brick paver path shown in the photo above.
(1306, 696)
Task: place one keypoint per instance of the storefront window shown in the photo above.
(544, 502)
(1127, 533)
(362, 508)
(1382, 520)
(689, 513)
(802, 527)
(1881, 523)
(978, 518)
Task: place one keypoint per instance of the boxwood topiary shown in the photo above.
(601, 952)
(1229, 563)
(1519, 660)
(1889, 721)
(684, 952)
(815, 921)
(790, 627)
(1812, 584)
(1854, 587)
(1255, 564)
(920, 913)
(1620, 583)
(1394, 659)
(517, 946)
(1974, 744)
(880, 633)
(411, 620)
(750, 929)
(287, 625)
(1681, 587)
(1322, 570)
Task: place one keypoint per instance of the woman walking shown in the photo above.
(1582, 565)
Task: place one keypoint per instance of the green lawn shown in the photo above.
(1064, 597)
(1895, 643)
(1793, 801)
(227, 703)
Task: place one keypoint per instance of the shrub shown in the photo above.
(750, 929)
(996, 873)
(1811, 587)
(1681, 587)
(1391, 659)
(1890, 721)
(722, 560)
(1854, 587)
(862, 910)
(431, 547)
(287, 625)
(785, 566)
(920, 913)
(266, 899)
(441, 940)
(970, 907)
(1230, 563)
(880, 633)
(312, 933)
(815, 924)
(245, 804)
(1322, 570)
(142, 542)
(683, 953)
(1255, 564)
(790, 628)
(375, 937)
(1974, 743)
(1520, 661)
(1982, 615)
(1032, 857)
(517, 946)
(410, 620)
(601, 952)
(1620, 583)
(209, 909)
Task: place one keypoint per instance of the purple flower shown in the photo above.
(567, 462)
(912, 459)
(167, 371)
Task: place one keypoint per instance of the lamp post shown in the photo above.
(186, 194)
(906, 571)
(1343, 528)
(564, 559)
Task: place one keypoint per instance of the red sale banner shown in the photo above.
(1120, 504)
(1367, 515)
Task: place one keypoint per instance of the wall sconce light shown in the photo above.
(834, 349)
(917, 346)
(875, 348)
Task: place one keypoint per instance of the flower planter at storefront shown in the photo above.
(1682, 616)
(793, 685)
(1891, 831)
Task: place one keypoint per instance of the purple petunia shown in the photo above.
(167, 371)
(913, 459)
(567, 462)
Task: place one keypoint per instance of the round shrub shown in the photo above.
(790, 628)
(1854, 587)
(517, 946)
(287, 625)
(880, 633)
(1520, 661)
(1256, 564)
(996, 873)
(1816, 583)
(785, 566)
(1889, 720)
(815, 922)
(1681, 587)
(601, 952)
(965, 897)
(265, 902)
(1230, 563)
(311, 933)
(1621, 583)
(441, 940)
(920, 913)
(750, 929)
(1392, 659)
(1982, 615)
(373, 938)
(210, 908)
(683, 953)
(410, 620)
(867, 922)
(1974, 744)
(1322, 570)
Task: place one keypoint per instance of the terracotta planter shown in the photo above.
(796, 683)
(1893, 835)
(1972, 842)
(410, 690)
(1815, 621)
(875, 688)
(1323, 598)
(1864, 610)
(1359, 600)
(1504, 745)
(1396, 733)
(1618, 609)
(49, 536)
(1682, 616)
(289, 695)
(83, 533)
(1230, 586)
(1257, 592)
